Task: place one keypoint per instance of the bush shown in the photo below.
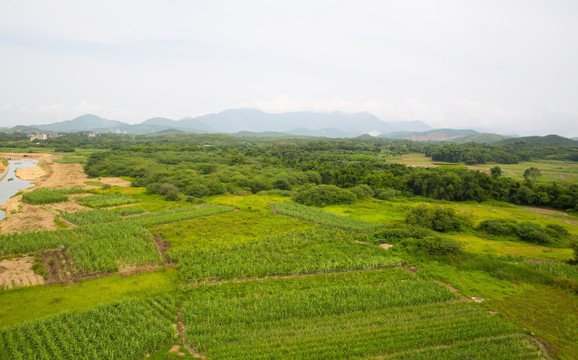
(362, 191)
(387, 194)
(172, 195)
(436, 218)
(557, 231)
(528, 231)
(436, 245)
(433, 246)
(324, 195)
(198, 191)
(498, 227)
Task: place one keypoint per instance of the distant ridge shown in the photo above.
(546, 140)
(86, 122)
(334, 124)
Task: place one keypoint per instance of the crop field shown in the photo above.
(259, 276)
(105, 200)
(253, 220)
(124, 330)
(104, 241)
(551, 170)
(49, 196)
(311, 251)
(319, 216)
(372, 314)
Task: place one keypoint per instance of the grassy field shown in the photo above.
(28, 303)
(551, 170)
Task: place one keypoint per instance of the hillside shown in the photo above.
(334, 124)
(546, 140)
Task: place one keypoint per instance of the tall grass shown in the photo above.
(49, 196)
(124, 330)
(342, 316)
(306, 252)
(322, 217)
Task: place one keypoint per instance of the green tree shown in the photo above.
(532, 172)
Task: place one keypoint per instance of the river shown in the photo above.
(10, 184)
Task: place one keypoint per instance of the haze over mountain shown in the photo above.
(334, 124)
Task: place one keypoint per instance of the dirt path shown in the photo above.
(18, 272)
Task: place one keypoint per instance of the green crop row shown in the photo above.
(125, 330)
(312, 251)
(179, 214)
(322, 217)
(106, 200)
(106, 247)
(339, 316)
(49, 196)
(137, 216)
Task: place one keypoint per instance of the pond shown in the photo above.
(10, 184)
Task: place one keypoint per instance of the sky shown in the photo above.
(493, 65)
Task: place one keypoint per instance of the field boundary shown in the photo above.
(291, 276)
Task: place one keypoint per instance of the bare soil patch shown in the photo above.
(18, 272)
(30, 174)
(162, 246)
(385, 246)
(114, 181)
(455, 291)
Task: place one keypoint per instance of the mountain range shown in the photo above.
(334, 124)
(252, 122)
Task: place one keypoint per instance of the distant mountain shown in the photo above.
(548, 140)
(22, 129)
(254, 120)
(330, 133)
(159, 121)
(335, 124)
(86, 122)
(267, 134)
(431, 135)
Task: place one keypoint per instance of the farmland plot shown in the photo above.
(367, 314)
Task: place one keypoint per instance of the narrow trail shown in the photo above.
(181, 335)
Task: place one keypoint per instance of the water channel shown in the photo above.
(10, 184)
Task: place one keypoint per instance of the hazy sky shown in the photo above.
(505, 66)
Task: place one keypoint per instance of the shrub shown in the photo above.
(436, 245)
(528, 231)
(436, 218)
(433, 245)
(557, 231)
(498, 227)
(362, 191)
(198, 191)
(387, 194)
(172, 195)
(324, 195)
